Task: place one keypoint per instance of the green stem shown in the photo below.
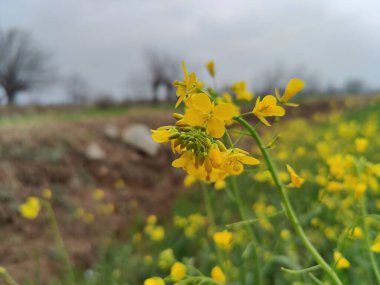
(209, 211)
(59, 241)
(300, 271)
(243, 215)
(288, 206)
(367, 239)
(212, 222)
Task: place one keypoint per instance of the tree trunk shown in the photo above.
(11, 96)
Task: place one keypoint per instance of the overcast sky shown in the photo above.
(105, 40)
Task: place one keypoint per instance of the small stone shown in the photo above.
(139, 137)
(111, 131)
(95, 152)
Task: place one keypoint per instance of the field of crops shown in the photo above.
(268, 198)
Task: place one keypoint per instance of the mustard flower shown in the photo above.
(361, 144)
(162, 134)
(187, 87)
(166, 259)
(240, 89)
(154, 281)
(31, 208)
(98, 195)
(46, 193)
(267, 108)
(294, 86)
(223, 239)
(296, 181)
(210, 66)
(178, 271)
(375, 247)
(205, 113)
(235, 160)
(340, 261)
(218, 275)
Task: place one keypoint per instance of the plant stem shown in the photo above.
(367, 239)
(59, 241)
(288, 206)
(243, 215)
(209, 211)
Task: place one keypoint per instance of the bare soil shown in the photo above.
(52, 155)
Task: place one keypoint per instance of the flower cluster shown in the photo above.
(197, 135)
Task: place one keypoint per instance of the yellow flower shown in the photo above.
(359, 189)
(137, 237)
(356, 233)
(240, 88)
(267, 108)
(211, 68)
(203, 112)
(166, 259)
(296, 181)
(235, 160)
(218, 275)
(334, 186)
(31, 208)
(375, 247)
(227, 98)
(187, 87)
(88, 218)
(151, 220)
(340, 261)
(285, 234)
(223, 239)
(294, 86)
(178, 271)
(98, 195)
(361, 144)
(154, 281)
(157, 233)
(119, 184)
(163, 134)
(148, 259)
(2, 270)
(46, 193)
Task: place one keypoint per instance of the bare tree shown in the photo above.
(22, 65)
(163, 71)
(354, 86)
(78, 89)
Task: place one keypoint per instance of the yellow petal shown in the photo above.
(201, 102)
(249, 160)
(193, 117)
(257, 105)
(180, 99)
(224, 111)
(215, 127)
(269, 100)
(179, 162)
(263, 120)
(376, 246)
(340, 261)
(294, 86)
(278, 111)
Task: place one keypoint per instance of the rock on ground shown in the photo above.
(139, 137)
